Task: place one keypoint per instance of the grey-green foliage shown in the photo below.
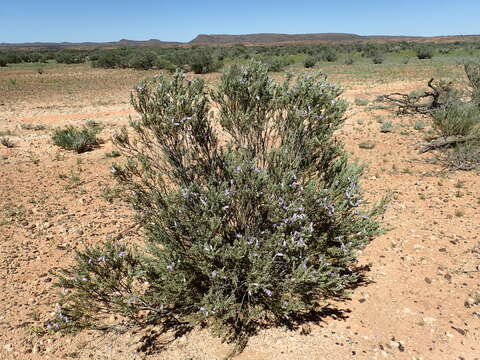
(386, 127)
(378, 58)
(419, 125)
(472, 70)
(276, 63)
(251, 209)
(202, 61)
(457, 118)
(78, 139)
(459, 114)
(309, 61)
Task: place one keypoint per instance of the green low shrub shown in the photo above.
(329, 55)
(276, 63)
(309, 62)
(143, 61)
(386, 127)
(361, 102)
(202, 61)
(163, 64)
(472, 70)
(424, 53)
(78, 140)
(456, 119)
(419, 125)
(252, 213)
(378, 59)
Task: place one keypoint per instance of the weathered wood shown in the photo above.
(444, 142)
(408, 104)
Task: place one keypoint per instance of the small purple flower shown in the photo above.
(101, 259)
(170, 267)
(354, 204)
(268, 292)
(301, 242)
(330, 209)
(122, 254)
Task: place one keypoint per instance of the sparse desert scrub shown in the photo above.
(252, 215)
(455, 115)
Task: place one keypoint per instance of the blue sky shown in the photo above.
(111, 20)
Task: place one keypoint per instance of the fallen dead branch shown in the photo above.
(445, 142)
(419, 104)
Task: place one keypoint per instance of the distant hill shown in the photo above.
(248, 39)
(152, 43)
(328, 38)
(271, 38)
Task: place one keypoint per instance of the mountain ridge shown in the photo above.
(245, 39)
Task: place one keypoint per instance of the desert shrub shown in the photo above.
(3, 61)
(163, 64)
(464, 156)
(445, 50)
(201, 61)
(12, 58)
(329, 55)
(378, 59)
(419, 125)
(79, 140)
(424, 53)
(31, 57)
(349, 61)
(361, 102)
(143, 60)
(107, 60)
(310, 62)
(367, 145)
(70, 57)
(276, 63)
(472, 70)
(30, 126)
(456, 119)
(252, 214)
(386, 127)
